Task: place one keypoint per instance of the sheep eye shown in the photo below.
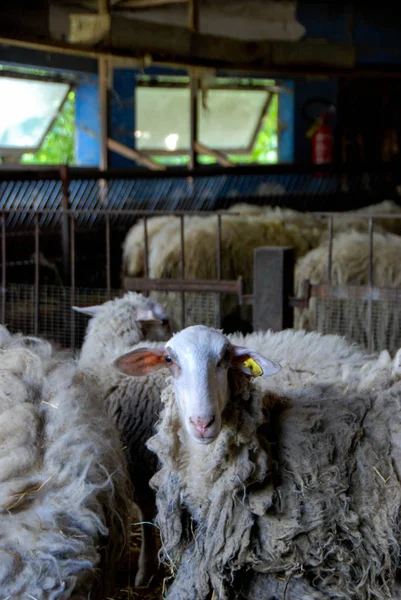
(168, 359)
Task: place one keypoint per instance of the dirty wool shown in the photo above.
(64, 486)
(299, 496)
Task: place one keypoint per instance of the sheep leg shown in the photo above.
(148, 563)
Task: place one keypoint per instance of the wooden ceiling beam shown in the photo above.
(139, 4)
(167, 43)
(132, 39)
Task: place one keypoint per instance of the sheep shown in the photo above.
(64, 485)
(350, 267)
(241, 233)
(381, 225)
(134, 244)
(285, 488)
(120, 323)
(240, 236)
(312, 227)
(115, 327)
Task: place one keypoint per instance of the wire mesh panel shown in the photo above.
(354, 318)
(199, 309)
(58, 323)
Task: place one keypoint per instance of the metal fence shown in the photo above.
(35, 304)
(368, 314)
(61, 234)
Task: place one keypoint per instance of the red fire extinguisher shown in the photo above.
(322, 139)
(321, 133)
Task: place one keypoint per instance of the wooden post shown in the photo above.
(193, 23)
(103, 74)
(273, 284)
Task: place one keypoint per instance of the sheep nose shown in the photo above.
(202, 424)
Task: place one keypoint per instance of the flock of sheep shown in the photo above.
(269, 463)
(251, 226)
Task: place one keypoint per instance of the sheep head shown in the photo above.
(199, 359)
(153, 319)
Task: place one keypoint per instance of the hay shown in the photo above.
(125, 589)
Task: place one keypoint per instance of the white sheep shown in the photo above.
(134, 244)
(312, 228)
(288, 488)
(350, 261)
(134, 405)
(64, 486)
(240, 236)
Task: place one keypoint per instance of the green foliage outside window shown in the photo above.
(59, 144)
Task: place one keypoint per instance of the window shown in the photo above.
(237, 118)
(30, 108)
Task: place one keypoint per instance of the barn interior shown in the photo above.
(264, 134)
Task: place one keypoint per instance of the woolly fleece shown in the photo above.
(64, 488)
(300, 492)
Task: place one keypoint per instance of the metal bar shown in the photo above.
(303, 300)
(182, 268)
(72, 295)
(330, 252)
(52, 173)
(140, 212)
(132, 4)
(65, 233)
(145, 251)
(193, 153)
(247, 299)
(146, 247)
(37, 274)
(108, 265)
(122, 211)
(193, 24)
(358, 292)
(370, 284)
(184, 285)
(219, 268)
(370, 255)
(3, 267)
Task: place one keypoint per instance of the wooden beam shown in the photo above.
(133, 4)
(221, 158)
(165, 45)
(134, 155)
(178, 44)
(193, 24)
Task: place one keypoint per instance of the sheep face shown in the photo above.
(199, 359)
(155, 323)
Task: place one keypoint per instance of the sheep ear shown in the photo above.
(90, 311)
(141, 361)
(252, 363)
(146, 314)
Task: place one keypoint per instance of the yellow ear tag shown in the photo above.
(254, 367)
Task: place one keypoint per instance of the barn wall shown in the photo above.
(368, 105)
(369, 119)
(87, 123)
